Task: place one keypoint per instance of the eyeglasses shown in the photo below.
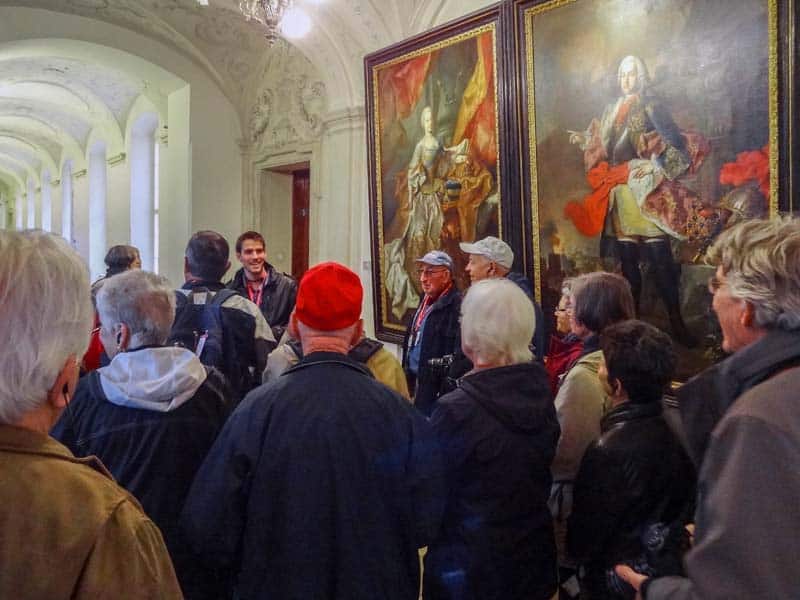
(428, 272)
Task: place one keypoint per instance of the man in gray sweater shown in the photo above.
(742, 418)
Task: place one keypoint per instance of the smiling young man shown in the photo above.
(434, 330)
(272, 291)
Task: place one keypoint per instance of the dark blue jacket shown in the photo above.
(540, 333)
(322, 486)
(441, 335)
(498, 433)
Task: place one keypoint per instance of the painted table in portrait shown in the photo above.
(650, 127)
(434, 143)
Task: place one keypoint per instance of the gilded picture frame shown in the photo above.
(436, 135)
(647, 128)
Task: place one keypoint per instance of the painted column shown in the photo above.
(142, 164)
(31, 204)
(19, 211)
(66, 202)
(47, 206)
(98, 185)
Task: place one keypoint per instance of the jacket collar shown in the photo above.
(239, 278)
(316, 358)
(213, 286)
(446, 299)
(630, 411)
(26, 441)
(704, 399)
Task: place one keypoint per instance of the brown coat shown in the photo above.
(68, 531)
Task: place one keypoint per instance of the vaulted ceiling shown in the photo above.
(55, 92)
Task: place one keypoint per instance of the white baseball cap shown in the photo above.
(495, 249)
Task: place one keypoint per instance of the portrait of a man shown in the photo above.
(638, 113)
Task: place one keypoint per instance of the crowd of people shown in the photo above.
(247, 440)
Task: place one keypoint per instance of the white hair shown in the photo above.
(144, 301)
(761, 262)
(497, 323)
(46, 317)
(642, 78)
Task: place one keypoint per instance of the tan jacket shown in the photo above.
(68, 531)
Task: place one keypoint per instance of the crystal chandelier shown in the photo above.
(267, 12)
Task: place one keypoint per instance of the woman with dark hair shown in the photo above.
(597, 300)
(118, 259)
(122, 258)
(636, 483)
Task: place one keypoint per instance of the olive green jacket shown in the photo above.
(67, 530)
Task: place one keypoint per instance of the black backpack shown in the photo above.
(198, 326)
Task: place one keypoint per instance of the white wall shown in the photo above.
(175, 190)
(276, 218)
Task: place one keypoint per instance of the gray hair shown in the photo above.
(497, 322)
(46, 317)
(642, 78)
(761, 262)
(144, 301)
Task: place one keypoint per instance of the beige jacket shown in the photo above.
(68, 531)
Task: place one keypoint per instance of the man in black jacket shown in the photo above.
(247, 338)
(433, 332)
(324, 483)
(269, 289)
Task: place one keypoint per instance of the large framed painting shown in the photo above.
(436, 164)
(649, 127)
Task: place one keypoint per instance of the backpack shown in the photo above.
(198, 326)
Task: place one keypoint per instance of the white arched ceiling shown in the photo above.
(57, 95)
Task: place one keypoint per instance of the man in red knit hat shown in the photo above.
(324, 483)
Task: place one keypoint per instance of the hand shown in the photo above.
(576, 137)
(634, 579)
(643, 171)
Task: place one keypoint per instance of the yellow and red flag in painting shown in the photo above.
(476, 116)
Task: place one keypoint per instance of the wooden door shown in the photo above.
(301, 184)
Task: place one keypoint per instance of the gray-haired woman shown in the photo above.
(498, 431)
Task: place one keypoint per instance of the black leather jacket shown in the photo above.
(277, 299)
(636, 474)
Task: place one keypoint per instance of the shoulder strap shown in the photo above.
(364, 350)
(221, 296)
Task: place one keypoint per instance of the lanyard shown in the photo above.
(255, 295)
(426, 307)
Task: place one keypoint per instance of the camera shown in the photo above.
(441, 365)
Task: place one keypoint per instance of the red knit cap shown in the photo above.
(329, 297)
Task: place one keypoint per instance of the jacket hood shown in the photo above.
(518, 396)
(159, 379)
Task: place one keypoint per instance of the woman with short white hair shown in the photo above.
(69, 531)
(498, 431)
(152, 414)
